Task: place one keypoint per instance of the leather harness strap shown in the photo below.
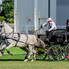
(18, 39)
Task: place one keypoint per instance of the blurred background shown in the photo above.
(28, 15)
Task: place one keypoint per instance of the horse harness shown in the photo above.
(18, 39)
(6, 36)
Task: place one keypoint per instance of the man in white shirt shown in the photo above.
(52, 27)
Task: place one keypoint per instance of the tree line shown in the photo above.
(7, 12)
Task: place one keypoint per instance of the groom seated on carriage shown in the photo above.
(67, 30)
(52, 28)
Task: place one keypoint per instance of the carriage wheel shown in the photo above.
(67, 52)
(63, 54)
(40, 55)
(54, 53)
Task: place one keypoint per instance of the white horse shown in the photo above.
(2, 42)
(23, 41)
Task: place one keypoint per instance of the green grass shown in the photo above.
(16, 62)
(19, 64)
(15, 50)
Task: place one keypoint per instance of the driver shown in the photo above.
(67, 30)
(52, 27)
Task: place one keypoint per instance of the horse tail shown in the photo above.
(41, 44)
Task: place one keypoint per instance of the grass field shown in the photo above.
(16, 62)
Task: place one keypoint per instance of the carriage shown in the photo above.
(56, 48)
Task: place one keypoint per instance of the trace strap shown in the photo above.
(18, 39)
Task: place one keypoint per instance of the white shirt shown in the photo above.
(52, 25)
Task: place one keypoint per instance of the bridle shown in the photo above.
(39, 30)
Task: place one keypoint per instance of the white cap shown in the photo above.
(49, 19)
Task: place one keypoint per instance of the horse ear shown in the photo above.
(3, 22)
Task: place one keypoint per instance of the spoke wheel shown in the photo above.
(54, 53)
(40, 55)
(63, 54)
(67, 52)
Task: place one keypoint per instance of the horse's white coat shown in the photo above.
(31, 40)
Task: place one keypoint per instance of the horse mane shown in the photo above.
(7, 24)
(7, 27)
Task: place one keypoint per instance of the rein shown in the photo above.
(6, 37)
(39, 30)
(9, 33)
(17, 40)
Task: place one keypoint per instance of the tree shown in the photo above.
(1, 17)
(8, 10)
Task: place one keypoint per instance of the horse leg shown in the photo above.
(11, 45)
(2, 43)
(34, 55)
(27, 51)
(30, 54)
(1, 48)
(41, 44)
(4, 46)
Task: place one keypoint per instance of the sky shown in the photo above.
(0, 1)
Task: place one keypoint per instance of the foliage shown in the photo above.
(2, 18)
(0, 12)
(8, 10)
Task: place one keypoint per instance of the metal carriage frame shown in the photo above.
(57, 48)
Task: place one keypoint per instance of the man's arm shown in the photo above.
(53, 27)
(45, 24)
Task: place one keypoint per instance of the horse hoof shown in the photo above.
(11, 54)
(1, 55)
(45, 50)
(25, 60)
(33, 60)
